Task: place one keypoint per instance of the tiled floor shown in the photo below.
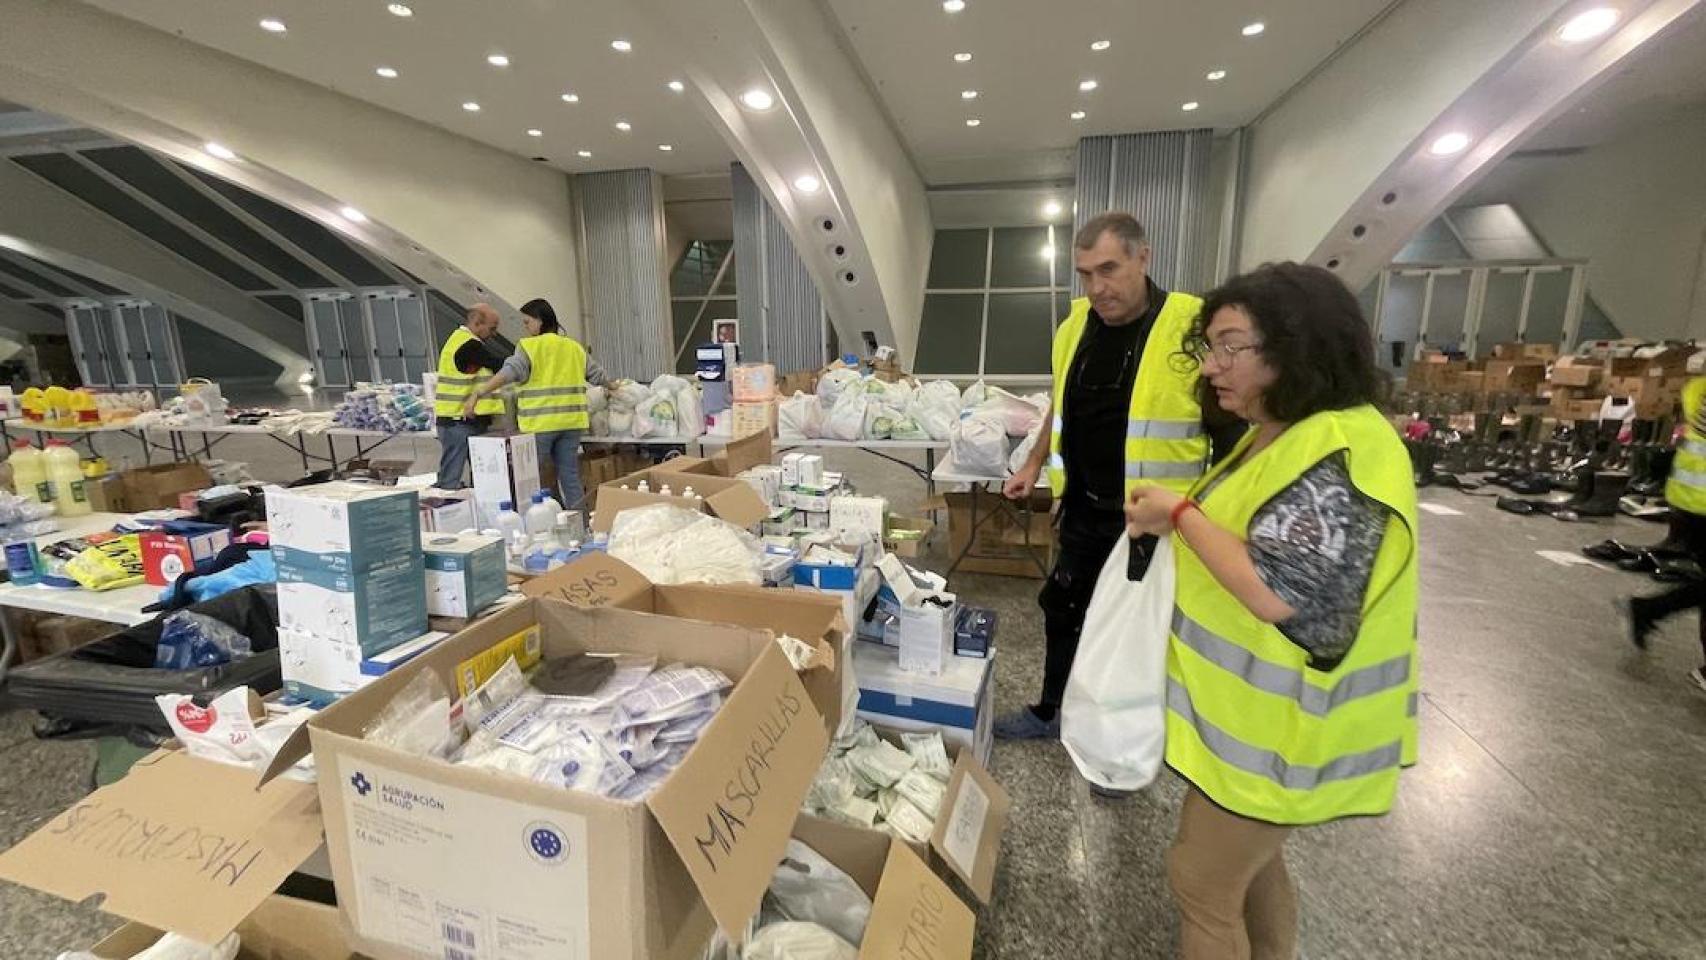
(1556, 811)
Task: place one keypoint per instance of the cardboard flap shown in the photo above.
(915, 914)
(594, 579)
(179, 844)
(731, 805)
(968, 836)
(613, 500)
(740, 455)
(740, 505)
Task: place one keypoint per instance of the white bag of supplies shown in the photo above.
(1113, 719)
(831, 384)
(978, 445)
(846, 419)
(799, 417)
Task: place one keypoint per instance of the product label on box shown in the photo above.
(965, 825)
(526, 900)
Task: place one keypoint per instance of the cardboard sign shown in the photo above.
(282, 928)
(179, 844)
(969, 827)
(593, 580)
(915, 915)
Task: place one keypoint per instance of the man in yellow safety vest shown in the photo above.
(1685, 491)
(1124, 412)
(463, 364)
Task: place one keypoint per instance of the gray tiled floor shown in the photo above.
(1556, 810)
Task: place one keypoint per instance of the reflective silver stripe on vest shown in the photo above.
(545, 411)
(1692, 478)
(1162, 429)
(462, 381)
(1410, 708)
(1162, 470)
(1282, 681)
(1271, 766)
(551, 392)
(1055, 462)
(1059, 425)
(1695, 447)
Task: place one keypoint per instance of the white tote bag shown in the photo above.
(1113, 720)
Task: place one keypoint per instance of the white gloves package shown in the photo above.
(869, 782)
(671, 544)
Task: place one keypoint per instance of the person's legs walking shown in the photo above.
(1213, 868)
(453, 453)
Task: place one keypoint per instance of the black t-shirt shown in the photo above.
(1098, 403)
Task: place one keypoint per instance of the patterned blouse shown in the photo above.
(1314, 546)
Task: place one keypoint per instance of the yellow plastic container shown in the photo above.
(65, 472)
(58, 413)
(29, 473)
(34, 405)
(87, 411)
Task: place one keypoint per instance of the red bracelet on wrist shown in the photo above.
(1179, 511)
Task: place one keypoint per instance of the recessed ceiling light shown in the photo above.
(221, 151)
(758, 99)
(471, 107)
(272, 25)
(806, 183)
(535, 132)
(624, 126)
(973, 122)
(968, 94)
(1450, 143)
(584, 154)
(1085, 86)
(1188, 106)
(571, 98)
(400, 10)
(665, 147)
(1078, 114)
(1589, 24)
(953, 6)
(962, 58)
(621, 46)
(498, 60)
(1254, 29)
(388, 73)
(352, 215)
(677, 86)
(1051, 209)
(1047, 252)
(1101, 45)
(1217, 74)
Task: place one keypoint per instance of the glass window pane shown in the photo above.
(1063, 273)
(1020, 331)
(1546, 310)
(689, 335)
(698, 267)
(1021, 257)
(1500, 310)
(950, 334)
(957, 260)
(727, 287)
(1401, 319)
(1448, 310)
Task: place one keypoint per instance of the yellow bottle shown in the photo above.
(58, 413)
(63, 471)
(29, 473)
(33, 404)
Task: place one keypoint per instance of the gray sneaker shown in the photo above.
(1022, 724)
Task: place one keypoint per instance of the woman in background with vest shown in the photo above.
(1685, 491)
(552, 372)
(1291, 670)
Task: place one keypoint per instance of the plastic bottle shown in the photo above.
(666, 491)
(569, 528)
(33, 404)
(542, 515)
(645, 487)
(58, 412)
(87, 411)
(29, 473)
(23, 561)
(65, 472)
(509, 524)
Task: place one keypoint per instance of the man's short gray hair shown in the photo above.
(1123, 225)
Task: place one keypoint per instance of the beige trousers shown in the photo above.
(1235, 900)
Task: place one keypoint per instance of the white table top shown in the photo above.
(21, 424)
(237, 428)
(949, 472)
(711, 441)
(122, 606)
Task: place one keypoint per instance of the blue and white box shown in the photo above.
(464, 574)
(959, 701)
(322, 671)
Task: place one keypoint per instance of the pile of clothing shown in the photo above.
(869, 782)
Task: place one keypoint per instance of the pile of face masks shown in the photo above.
(812, 911)
(869, 782)
(389, 407)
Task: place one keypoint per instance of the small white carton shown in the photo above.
(505, 468)
(464, 574)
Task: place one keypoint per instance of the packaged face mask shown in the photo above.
(662, 694)
(687, 727)
(641, 785)
(222, 731)
(908, 822)
(496, 693)
(881, 763)
(581, 761)
(833, 786)
(922, 791)
(862, 735)
(854, 810)
(637, 745)
(930, 753)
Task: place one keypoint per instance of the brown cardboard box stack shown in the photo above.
(1581, 384)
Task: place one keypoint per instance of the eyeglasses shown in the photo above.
(1225, 354)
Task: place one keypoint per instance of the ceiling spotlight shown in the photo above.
(807, 184)
(1217, 74)
(352, 215)
(621, 46)
(535, 132)
(973, 122)
(571, 98)
(624, 126)
(1189, 106)
(1589, 24)
(968, 94)
(1085, 86)
(498, 60)
(962, 58)
(1254, 29)
(400, 10)
(221, 151)
(272, 25)
(388, 73)
(953, 6)
(1448, 144)
(1101, 45)
(677, 86)
(584, 154)
(471, 107)
(1051, 209)
(1047, 252)
(758, 99)
(665, 147)
(1079, 114)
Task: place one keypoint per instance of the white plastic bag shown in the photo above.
(595, 399)
(689, 411)
(879, 419)
(847, 418)
(1113, 719)
(974, 395)
(799, 417)
(935, 409)
(1022, 452)
(831, 384)
(978, 446)
(798, 941)
(1017, 415)
(671, 544)
(807, 888)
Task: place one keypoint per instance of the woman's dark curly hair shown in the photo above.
(1313, 334)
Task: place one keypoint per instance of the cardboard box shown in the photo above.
(505, 468)
(359, 523)
(448, 511)
(157, 487)
(753, 382)
(167, 556)
(927, 636)
(563, 873)
(749, 417)
(959, 701)
(178, 844)
(322, 670)
(1525, 351)
(726, 498)
(281, 928)
(905, 536)
(1514, 376)
(1005, 542)
(736, 457)
(800, 381)
(1576, 375)
(464, 574)
(106, 494)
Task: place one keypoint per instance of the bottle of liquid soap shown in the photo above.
(509, 524)
(542, 515)
(569, 527)
(65, 473)
(29, 473)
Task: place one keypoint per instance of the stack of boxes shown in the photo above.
(352, 599)
(1576, 386)
(754, 410)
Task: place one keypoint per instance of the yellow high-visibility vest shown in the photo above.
(1686, 487)
(454, 386)
(1165, 444)
(1249, 721)
(554, 396)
